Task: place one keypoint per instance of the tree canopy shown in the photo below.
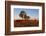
(23, 15)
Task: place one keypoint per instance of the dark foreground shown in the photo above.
(26, 23)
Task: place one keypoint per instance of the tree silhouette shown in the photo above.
(26, 17)
(23, 15)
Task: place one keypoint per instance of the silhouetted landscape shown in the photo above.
(25, 23)
(26, 19)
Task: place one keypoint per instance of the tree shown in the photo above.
(23, 15)
(27, 17)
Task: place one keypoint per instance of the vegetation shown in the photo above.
(26, 23)
(23, 15)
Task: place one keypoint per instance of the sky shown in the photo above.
(33, 13)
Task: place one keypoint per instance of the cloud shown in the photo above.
(31, 18)
(17, 17)
(34, 18)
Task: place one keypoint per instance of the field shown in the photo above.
(25, 23)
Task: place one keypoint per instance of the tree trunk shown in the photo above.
(23, 17)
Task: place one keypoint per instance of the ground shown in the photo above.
(25, 23)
